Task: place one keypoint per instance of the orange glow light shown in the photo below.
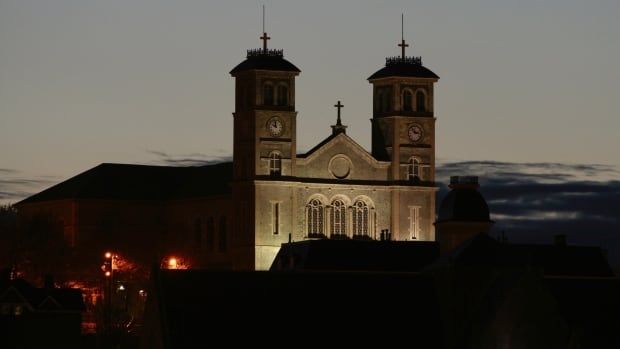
(107, 273)
(172, 263)
(108, 255)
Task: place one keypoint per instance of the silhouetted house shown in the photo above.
(32, 317)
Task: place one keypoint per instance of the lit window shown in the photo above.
(420, 97)
(275, 164)
(413, 169)
(315, 218)
(414, 222)
(360, 219)
(338, 218)
(275, 217)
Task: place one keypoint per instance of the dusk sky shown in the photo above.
(146, 81)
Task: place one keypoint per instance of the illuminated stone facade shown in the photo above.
(338, 189)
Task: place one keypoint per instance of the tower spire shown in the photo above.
(264, 37)
(338, 127)
(402, 35)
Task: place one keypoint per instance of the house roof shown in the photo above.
(140, 182)
(65, 299)
(463, 204)
(350, 255)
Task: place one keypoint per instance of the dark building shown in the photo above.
(483, 293)
(33, 317)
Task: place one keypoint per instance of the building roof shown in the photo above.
(352, 255)
(407, 67)
(140, 182)
(41, 299)
(552, 260)
(260, 60)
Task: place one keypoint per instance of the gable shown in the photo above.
(340, 157)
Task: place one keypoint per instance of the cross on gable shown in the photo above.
(265, 38)
(338, 106)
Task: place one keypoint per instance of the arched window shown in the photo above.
(282, 95)
(420, 99)
(407, 100)
(360, 219)
(275, 164)
(222, 238)
(315, 217)
(338, 218)
(268, 94)
(385, 104)
(413, 169)
(210, 234)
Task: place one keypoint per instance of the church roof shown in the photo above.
(141, 182)
(261, 60)
(405, 67)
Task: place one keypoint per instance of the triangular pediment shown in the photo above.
(339, 156)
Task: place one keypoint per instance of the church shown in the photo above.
(237, 215)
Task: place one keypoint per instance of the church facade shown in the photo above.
(270, 194)
(336, 190)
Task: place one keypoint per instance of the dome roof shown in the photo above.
(265, 60)
(464, 204)
(407, 67)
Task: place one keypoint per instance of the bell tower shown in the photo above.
(403, 121)
(264, 147)
(403, 133)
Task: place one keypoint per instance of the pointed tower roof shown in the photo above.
(402, 65)
(265, 58)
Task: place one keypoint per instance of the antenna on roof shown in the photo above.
(402, 35)
(264, 37)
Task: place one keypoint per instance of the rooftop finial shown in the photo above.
(264, 37)
(402, 34)
(338, 127)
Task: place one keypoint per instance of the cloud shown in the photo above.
(13, 189)
(532, 202)
(193, 159)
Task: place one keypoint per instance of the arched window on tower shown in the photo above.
(420, 99)
(275, 164)
(413, 169)
(268, 94)
(314, 218)
(338, 218)
(407, 100)
(360, 219)
(385, 103)
(282, 95)
(210, 234)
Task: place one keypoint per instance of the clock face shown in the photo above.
(275, 126)
(415, 133)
